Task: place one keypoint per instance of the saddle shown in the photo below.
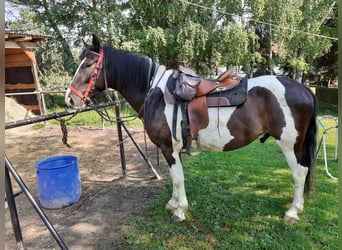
(190, 85)
(195, 94)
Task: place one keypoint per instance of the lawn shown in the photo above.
(239, 204)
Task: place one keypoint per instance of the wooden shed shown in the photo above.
(21, 77)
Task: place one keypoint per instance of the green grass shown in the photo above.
(236, 201)
(92, 118)
(55, 104)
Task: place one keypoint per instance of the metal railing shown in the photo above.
(328, 123)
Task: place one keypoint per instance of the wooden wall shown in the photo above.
(21, 76)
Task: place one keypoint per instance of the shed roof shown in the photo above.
(24, 37)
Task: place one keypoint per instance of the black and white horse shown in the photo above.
(275, 106)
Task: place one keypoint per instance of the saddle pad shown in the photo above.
(232, 97)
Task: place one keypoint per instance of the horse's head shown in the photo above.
(88, 77)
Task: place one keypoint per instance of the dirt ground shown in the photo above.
(95, 221)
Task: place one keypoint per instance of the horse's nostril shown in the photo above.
(68, 101)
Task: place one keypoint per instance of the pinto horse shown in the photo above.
(275, 106)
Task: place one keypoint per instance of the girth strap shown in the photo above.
(187, 138)
(174, 120)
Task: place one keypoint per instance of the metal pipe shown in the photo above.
(140, 151)
(9, 125)
(120, 137)
(35, 205)
(13, 211)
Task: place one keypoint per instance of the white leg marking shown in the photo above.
(173, 202)
(299, 173)
(178, 202)
(178, 194)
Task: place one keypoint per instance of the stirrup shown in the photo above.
(198, 148)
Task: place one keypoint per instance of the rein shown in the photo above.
(91, 84)
(149, 92)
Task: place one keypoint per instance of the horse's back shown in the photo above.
(281, 86)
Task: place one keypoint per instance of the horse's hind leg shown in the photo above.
(299, 173)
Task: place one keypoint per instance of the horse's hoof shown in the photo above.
(175, 218)
(169, 207)
(290, 220)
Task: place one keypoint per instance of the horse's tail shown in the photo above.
(309, 148)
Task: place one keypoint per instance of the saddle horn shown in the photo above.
(229, 73)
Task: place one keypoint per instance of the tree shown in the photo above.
(283, 43)
(254, 34)
(42, 17)
(233, 45)
(185, 29)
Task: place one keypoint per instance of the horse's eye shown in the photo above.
(87, 64)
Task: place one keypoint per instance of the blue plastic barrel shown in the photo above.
(58, 181)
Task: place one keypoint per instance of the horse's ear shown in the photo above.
(84, 43)
(96, 42)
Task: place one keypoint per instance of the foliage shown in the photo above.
(154, 40)
(205, 35)
(192, 40)
(52, 74)
(234, 45)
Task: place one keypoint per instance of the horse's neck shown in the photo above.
(134, 92)
(134, 98)
(129, 74)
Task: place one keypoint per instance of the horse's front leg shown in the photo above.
(173, 202)
(178, 203)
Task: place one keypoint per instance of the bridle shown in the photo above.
(93, 77)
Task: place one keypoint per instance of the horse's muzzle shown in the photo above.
(67, 99)
(74, 101)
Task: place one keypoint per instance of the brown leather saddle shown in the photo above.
(195, 94)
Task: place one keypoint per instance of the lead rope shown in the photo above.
(65, 132)
(64, 129)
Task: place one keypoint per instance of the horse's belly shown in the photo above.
(216, 135)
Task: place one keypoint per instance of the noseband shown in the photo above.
(92, 81)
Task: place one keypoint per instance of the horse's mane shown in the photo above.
(125, 68)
